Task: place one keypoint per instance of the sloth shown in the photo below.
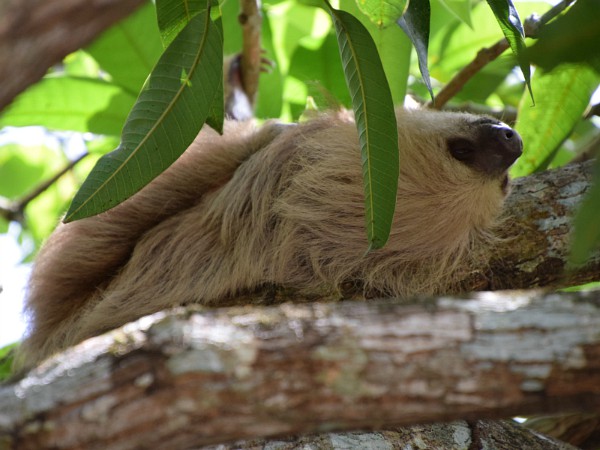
(275, 205)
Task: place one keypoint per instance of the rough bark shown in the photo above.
(538, 229)
(36, 34)
(196, 378)
(459, 435)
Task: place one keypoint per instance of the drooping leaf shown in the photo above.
(395, 50)
(510, 23)
(71, 103)
(173, 105)
(563, 95)
(573, 37)
(586, 237)
(382, 13)
(129, 49)
(415, 23)
(173, 15)
(376, 123)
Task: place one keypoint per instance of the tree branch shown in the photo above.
(193, 378)
(36, 34)
(14, 210)
(251, 20)
(487, 55)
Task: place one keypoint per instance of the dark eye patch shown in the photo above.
(463, 150)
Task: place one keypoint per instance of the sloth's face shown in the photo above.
(490, 149)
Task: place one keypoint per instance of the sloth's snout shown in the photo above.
(503, 144)
(511, 144)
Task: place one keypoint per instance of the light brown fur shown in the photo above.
(282, 205)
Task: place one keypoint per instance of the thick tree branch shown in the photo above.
(36, 34)
(193, 378)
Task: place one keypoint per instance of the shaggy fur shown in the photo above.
(281, 204)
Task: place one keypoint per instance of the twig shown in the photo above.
(251, 20)
(487, 55)
(13, 211)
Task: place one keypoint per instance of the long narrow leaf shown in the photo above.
(415, 23)
(375, 121)
(170, 110)
(510, 23)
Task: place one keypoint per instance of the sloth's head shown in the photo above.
(453, 173)
(460, 144)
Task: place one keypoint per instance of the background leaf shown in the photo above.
(71, 103)
(139, 47)
(383, 13)
(573, 37)
(587, 223)
(376, 123)
(167, 116)
(563, 96)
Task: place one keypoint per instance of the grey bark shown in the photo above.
(197, 378)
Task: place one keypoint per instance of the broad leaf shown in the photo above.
(415, 23)
(586, 237)
(70, 103)
(173, 105)
(461, 9)
(382, 13)
(174, 15)
(563, 96)
(129, 49)
(375, 121)
(510, 23)
(574, 37)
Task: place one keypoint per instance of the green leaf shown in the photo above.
(573, 37)
(70, 103)
(510, 23)
(415, 23)
(461, 9)
(394, 49)
(171, 109)
(128, 50)
(216, 115)
(7, 355)
(322, 64)
(586, 237)
(563, 96)
(375, 121)
(382, 13)
(174, 15)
